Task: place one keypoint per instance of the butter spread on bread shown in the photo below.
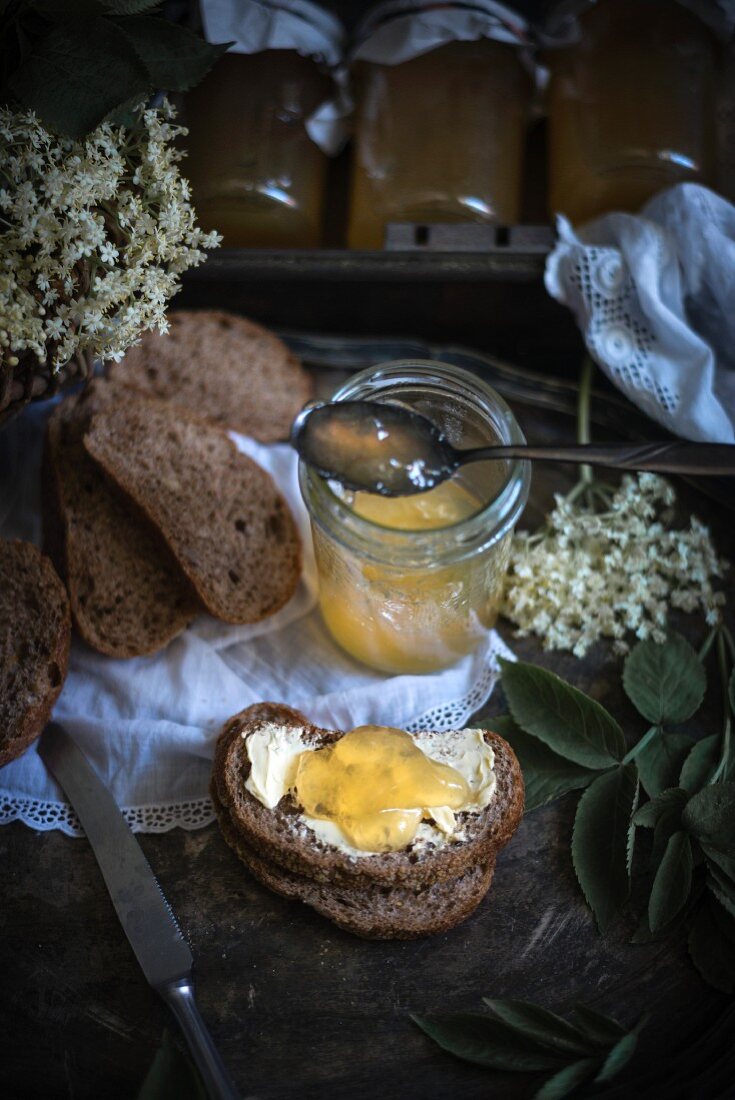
(463, 763)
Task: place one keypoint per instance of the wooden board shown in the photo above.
(298, 1008)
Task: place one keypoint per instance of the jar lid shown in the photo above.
(256, 25)
(397, 30)
(560, 27)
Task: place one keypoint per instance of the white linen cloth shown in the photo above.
(149, 725)
(653, 295)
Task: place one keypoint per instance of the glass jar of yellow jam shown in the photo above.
(631, 106)
(413, 584)
(438, 137)
(257, 176)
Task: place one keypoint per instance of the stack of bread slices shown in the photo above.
(151, 514)
(390, 895)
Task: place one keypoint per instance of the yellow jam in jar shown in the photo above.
(409, 620)
(412, 584)
(376, 785)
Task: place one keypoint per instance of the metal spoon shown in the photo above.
(392, 450)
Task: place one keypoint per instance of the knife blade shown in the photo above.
(147, 919)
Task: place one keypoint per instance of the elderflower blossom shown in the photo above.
(94, 235)
(591, 575)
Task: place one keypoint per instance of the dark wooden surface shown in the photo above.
(298, 1008)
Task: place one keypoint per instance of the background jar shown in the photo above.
(631, 106)
(256, 174)
(437, 138)
(410, 601)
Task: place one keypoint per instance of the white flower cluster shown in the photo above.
(589, 575)
(94, 235)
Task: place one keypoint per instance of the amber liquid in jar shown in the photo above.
(438, 138)
(631, 107)
(256, 175)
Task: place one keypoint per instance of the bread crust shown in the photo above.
(272, 833)
(21, 728)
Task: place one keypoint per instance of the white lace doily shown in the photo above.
(149, 725)
(653, 297)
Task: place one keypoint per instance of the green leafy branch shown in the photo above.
(523, 1037)
(76, 63)
(566, 741)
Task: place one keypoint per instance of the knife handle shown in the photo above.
(179, 996)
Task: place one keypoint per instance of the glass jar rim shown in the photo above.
(424, 547)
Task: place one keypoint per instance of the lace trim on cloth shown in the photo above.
(197, 813)
(44, 816)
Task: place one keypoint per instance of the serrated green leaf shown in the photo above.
(175, 57)
(663, 805)
(487, 1042)
(672, 883)
(620, 1054)
(77, 74)
(723, 860)
(65, 9)
(171, 1075)
(731, 690)
(600, 841)
(567, 1080)
(712, 945)
(665, 683)
(540, 1024)
(546, 775)
(700, 764)
(599, 1029)
(709, 815)
(660, 762)
(722, 886)
(568, 721)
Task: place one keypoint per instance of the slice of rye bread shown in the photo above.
(279, 838)
(223, 368)
(374, 911)
(221, 515)
(128, 596)
(35, 632)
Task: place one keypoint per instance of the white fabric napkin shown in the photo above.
(149, 725)
(653, 296)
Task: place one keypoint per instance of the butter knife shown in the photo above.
(144, 913)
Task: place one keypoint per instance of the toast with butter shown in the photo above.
(428, 886)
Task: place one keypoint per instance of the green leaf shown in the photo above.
(665, 683)
(672, 883)
(712, 945)
(171, 1074)
(722, 886)
(660, 762)
(77, 74)
(487, 1042)
(710, 815)
(599, 1029)
(666, 804)
(175, 57)
(620, 1054)
(546, 775)
(565, 719)
(567, 1080)
(725, 862)
(600, 841)
(61, 10)
(538, 1023)
(700, 764)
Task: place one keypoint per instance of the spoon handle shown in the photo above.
(664, 458)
